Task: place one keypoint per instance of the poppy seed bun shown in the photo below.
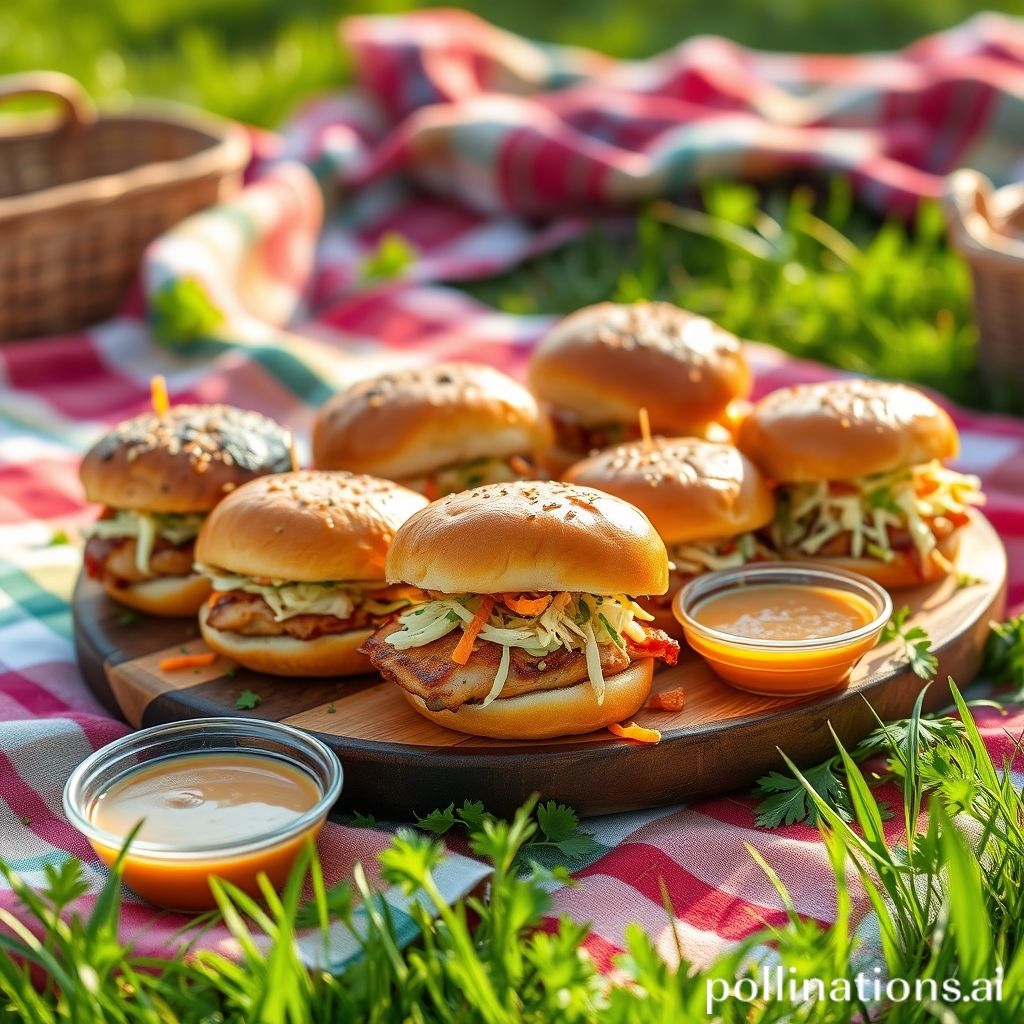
(415, 421)
(168, 596)
(530, 536)
(184, 460)
(335, 654)
(309, 526)
(845, 428)
(691, 490)
(604, 363)
(567, 711)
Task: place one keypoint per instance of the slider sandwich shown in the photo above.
(296, 563)
(601, 365)
(532, 628)
(158, 476)
(706, 500)
(861, 480)
(436, 429)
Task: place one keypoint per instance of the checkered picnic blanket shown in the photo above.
(458, 134)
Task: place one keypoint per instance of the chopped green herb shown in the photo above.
(965, 580)
(59, 537)
(128, 618)
(26, 822)
(611, 631)
(331, 709)
(231, 671)
(917, 645)
(247, 700)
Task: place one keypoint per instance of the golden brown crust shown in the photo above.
(845, 428)
(309, 526)
(530, 536)
(170, 597)
(411, 422)
(606, 362)
(185, 460)
(336, 654)
(569, 711)
(691, 490)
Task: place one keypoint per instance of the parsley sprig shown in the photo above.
(917, 645)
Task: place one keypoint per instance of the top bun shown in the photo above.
(691, 490)
(184, 460)
(307, 527)
(845, 428)
(416, 421)
(606, 362)
(530, 536)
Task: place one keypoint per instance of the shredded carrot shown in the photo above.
(213, 598)
(158, 394)
(668, 700)
(519, 465)
(464, 648)
(635, 732)
(527, 605)
(181, 661)
(430, 488)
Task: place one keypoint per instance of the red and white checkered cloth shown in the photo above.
(458, 133)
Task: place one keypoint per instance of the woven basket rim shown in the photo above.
(229, 151)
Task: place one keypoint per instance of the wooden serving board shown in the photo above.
(397, 763)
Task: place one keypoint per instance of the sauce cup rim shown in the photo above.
(712, 583)
(77, 811)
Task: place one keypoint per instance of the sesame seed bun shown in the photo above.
(845, 428)
(530, 536)
(309, 526)
(335, 654)
(605, 362)
(691, 490)
(167, 596)
(413, 422)
(568, 711)
(184, 460)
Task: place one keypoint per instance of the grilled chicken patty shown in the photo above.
(237, 611)
(112, 560)
(430, 673)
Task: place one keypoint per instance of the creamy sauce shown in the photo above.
(200, 800)
(784, 612)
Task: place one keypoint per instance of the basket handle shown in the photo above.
(76, 107)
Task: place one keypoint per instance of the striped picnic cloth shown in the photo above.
(457, 132)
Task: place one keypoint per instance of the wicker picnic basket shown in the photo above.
(986, 226)
(82, 196)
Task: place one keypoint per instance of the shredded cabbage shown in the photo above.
(464, 475)
(146, 528)
(811, 514)
(287, 598)
(571, 621)
(711, 555)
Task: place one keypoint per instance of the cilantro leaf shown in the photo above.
(439, 822)
(787, 802)
(339, 901)
(557, 821)
(363, 820)
(472, 814)
(917, 645)
(247, 700)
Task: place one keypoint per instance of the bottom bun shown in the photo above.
(336, 654)
(170, 596)
(568, 711)
(903, 571)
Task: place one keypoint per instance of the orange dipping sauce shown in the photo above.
(215, 797)
(215, 800)
(783, 629)
(784, 611)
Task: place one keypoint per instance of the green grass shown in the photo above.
(950, 906)
(254, 59)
